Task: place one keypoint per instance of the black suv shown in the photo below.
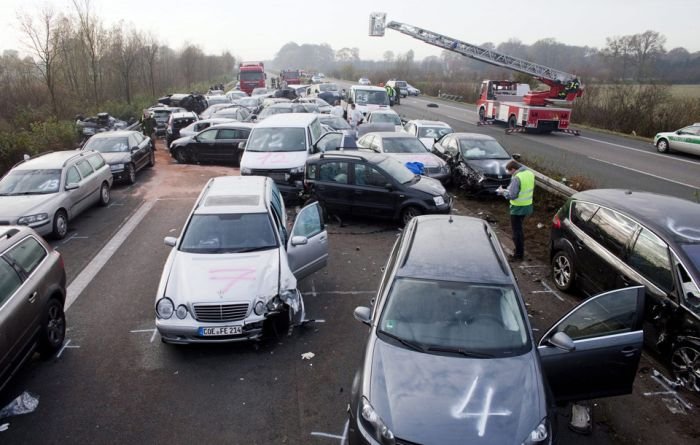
(177, 122)
(451, 357)
(605, 239)
(372, 184)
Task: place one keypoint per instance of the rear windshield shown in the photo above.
(482, 149)
(228, 233)
(277, 139)
(693, 252)
(433, 132)
(30, 182)
(366, 97)
(385, 117)
(327, 87)
(397, 170)
(183, 122)
(107, 145)
(403, 145)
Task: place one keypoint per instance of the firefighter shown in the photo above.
(519, 192)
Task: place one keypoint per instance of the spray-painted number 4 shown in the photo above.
(460, 411)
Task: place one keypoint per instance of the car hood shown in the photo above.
(665, 134)
(24, 205)
(197, 278)
(184, 140)
(490, 166)
(456, 400)
(273, 159)
(117, 157)
(430, 186)
(427, 159)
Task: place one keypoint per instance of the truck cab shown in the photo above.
(366, 99)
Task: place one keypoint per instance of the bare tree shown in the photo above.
(125, 49)
(646, 48)
(91, 34)
(150, 53)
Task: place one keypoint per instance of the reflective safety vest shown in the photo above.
(527, 188)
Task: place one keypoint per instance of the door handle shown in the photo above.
(580, 244)
(629, 351)
(32, 297)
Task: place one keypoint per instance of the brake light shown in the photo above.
(556, 222)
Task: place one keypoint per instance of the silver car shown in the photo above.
(232, 274)
(32, 296)
(47, 191)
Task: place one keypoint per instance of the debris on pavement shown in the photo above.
(581, 419)
(677, 405)
(4, 427)
(307, 356)
(25, 403)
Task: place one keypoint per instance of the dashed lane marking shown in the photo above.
(66, 345)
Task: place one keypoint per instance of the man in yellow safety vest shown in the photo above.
(519, 192)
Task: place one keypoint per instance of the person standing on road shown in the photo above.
(148, 126)
(354, 117)
(337, 110)
(390, 93)
(520, 192)
(397, 95)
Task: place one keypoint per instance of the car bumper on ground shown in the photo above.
(186, 331)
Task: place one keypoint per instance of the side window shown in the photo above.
(316, 130)
(308, 223)
(691, 294)
(27, 254)
(96, 161)
(367, 175)
(615, 231)
(207, 136)
(226, 134)
(243, 134)
(311, 171)
(85, 168)
(605, 314)
(649, 257)
(72, 177)
(9, 281)
(334, 172)
(581, 213)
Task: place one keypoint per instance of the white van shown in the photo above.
(278, 147)
(366, 99)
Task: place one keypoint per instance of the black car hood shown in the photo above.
(489, 166)
(422, 398)
(429, 185)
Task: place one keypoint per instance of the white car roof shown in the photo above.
(288, 120)
(384, 112)
(53, 160)
(234, 194)
(424, 123)
(367, 88)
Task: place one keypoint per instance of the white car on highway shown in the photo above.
(364, 81)
(385, 117)
(686, 139)
(427, 131)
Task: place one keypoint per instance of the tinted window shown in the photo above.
(207, 136)
(97, 162)
(27, 254)
(277, 139)
(21, 182)
(612, 230)
(368, 175)
(73, 177)
(581, 213)
(9, 281)
(334, 172)
(308, 222)
(228, 233)
(403, 145)
(603, 315)
(107, 145)
(649, 257)
(227, 134)
(690, 295)
(693, 252)
(464, 317)
(311, 170)
(85, 168)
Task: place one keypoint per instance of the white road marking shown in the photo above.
(330, 436)
(79, 284)
(640, 150)
(66, 345)
(644, 173)
(313, 293)
(556, 294)
(343, 439)
(154, 331)
(75, 236)
(115, 204)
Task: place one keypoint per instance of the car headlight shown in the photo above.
(181, 312)
(297, 170)
(246, 171)
(116, 166)
(259, 308)
(439, 200)
(375, 424)
(165, 308)
(540, 435)
(29, 220)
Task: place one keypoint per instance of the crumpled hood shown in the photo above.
(269, 160)
(430, 186)
(456, 400)
(197, 278)
(490, 166)
(12, 207)
(117, 157)
(427, 159)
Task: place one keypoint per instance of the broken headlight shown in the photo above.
(540, 435)
(375, 425)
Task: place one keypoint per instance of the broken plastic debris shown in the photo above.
(580, 419)
(23, 404)
(307, 356)
(540, 225)
(674, 406)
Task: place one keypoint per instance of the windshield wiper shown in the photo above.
(408, 343)
(250, 249)
(458, 351)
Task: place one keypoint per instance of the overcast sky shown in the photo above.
(255, 30)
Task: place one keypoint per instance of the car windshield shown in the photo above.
(107, 145)
(482, 149)
(226, 233)
(403, 145)
(30, 182)
(464, 318)
(183, 122)
(390, 118)
(366, 97)
(433, 132)
(269, 111)
(693, 252)
(277, 139)
(249, 102)
(397, 170)
(251, 75)
(335, 122)
(324, 87)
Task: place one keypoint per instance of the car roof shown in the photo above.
(288, 120)
(53, 160)
(8, 234)
(673, 219)
(384, 112)
(426, 123)
(233, 124)
(369, 156)
(454, 248)
(392, 135)
(367, 87)
(234, 194)
(114, 134)
(473, 136)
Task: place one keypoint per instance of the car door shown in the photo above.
(373, 194)
(86, 190)
(606, 334)
(329, 141)
(307, 247)
(11, 296)
(226, 145)
(139, 151)
(332, 185)
(203, 146)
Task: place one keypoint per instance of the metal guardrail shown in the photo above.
(552, 186)
(452, 97)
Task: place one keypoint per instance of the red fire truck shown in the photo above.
(292, 77)
(503, 100)
(251, 75)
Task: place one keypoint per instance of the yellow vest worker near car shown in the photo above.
(519, 192)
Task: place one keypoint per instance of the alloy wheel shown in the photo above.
(686, 365)
(562, 271)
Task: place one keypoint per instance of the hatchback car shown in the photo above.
(161, 114)
(428, 132)
(686, 139)
(362, 183)
(232, 274)
(385, 117)
(126, 152)
(203, 124)
(216, 144)
(477, 162)
(449, 308)
(236, 113)
(412, 91)
(176, 122)
(364, 81)
(49, 190)
(406, 148)
(32, 295)
(604, 239)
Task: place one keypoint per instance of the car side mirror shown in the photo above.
(72, 186)
(562, 341)
(241, 145)
(170, 241)
(299, 240)
(679, 132)
(516, 156)
(363, 314)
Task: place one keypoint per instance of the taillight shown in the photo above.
(556, 222)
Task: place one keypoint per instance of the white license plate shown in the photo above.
(222, 330)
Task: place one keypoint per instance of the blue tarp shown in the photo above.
(416, 167)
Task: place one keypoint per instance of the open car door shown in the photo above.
(307, 247)
(594, 350)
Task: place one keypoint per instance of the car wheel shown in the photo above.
(130, 173)
(563, 271)
(180, 157)
(685, 362)
(662, 146)
(409, 213)
(482, 115)
(152, 159)
(53, 330)
(104, 194)
(60, 224)
(512, 122)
